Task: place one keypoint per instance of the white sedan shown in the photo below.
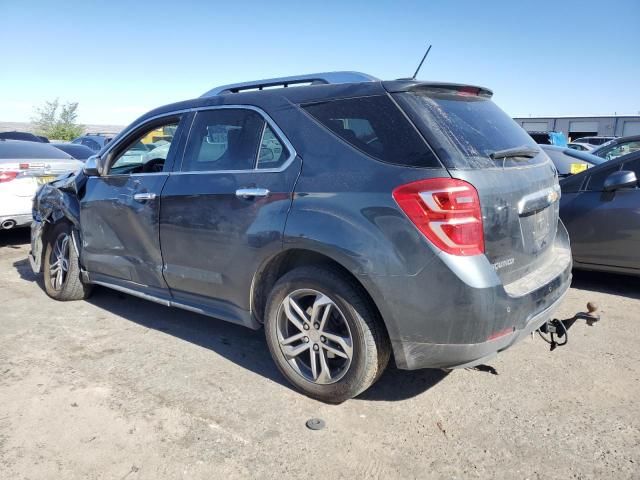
(24, 166)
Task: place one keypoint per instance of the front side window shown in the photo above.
(596, 181)
(377, 127)
(147, 151)
(224, 139)
(633, 166)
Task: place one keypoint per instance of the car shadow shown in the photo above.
(396, 384)
(15, 238)
(245, 347)
(614, 284)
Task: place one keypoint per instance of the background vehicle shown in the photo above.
(569, 161)
(94, 141)
(77, 151)
(582, 147)
(618, 147)
(593, 140)
(373, 244)
(600, 210)
(26, 136)
(24, 166)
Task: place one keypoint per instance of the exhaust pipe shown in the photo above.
(8, 224)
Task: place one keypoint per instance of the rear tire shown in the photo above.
(62, 279)
(324, 334)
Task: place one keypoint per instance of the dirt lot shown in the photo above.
(117, 387)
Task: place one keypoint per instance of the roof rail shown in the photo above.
(313, 79)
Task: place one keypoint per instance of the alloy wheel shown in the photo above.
(314, 336)
(59, 261)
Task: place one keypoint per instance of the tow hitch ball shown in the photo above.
(554, 331)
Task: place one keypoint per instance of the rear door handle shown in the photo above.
(252, 192)
(144, 197)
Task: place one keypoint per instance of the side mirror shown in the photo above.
(619, 180)
(92, 166)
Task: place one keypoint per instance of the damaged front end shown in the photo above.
(52, 203)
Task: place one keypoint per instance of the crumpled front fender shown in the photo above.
(53, 202)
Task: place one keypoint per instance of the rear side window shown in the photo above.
(619, 150)
(272, 152)
(224, 139)
(467, 127)
(92, 144)
(375, 126)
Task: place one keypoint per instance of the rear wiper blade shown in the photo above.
(524, 151)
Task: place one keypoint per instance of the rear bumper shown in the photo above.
(415, 355)
(15, 208)
(457, 312)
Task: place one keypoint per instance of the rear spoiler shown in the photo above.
(408, 85)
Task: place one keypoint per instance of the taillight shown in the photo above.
(7, 176)
(446, 211)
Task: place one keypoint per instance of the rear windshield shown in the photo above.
(18, 149)
(377, 127)
(466, 129)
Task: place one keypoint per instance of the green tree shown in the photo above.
(56, 121)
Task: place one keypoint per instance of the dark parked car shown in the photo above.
(618, 147)
(79, 152)
(569, 161)
(601, 209)
(25, 136)
(351, 217)
(94, 141)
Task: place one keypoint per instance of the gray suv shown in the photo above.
(352, 218)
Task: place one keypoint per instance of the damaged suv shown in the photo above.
(350, 217)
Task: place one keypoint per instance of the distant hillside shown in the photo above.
(89, 128)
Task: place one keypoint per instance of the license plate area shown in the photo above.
(539, 229)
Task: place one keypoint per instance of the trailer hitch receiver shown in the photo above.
(556, 332)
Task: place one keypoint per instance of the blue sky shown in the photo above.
(119, 59)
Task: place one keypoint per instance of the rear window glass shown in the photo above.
(375, 126)
(29, 150)
(466, 128)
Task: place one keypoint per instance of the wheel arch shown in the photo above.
(278, 265)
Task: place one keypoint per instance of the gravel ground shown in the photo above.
(117, 387)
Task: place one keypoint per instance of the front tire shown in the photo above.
(324, 334)
(62, 279)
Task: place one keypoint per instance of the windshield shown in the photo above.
(467, 129)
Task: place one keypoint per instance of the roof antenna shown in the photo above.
(421, 62)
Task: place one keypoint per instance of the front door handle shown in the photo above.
(144, 197)
(252, 192)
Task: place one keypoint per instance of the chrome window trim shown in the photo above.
(268, 120)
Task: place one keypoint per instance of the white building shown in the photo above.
(575, 127)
